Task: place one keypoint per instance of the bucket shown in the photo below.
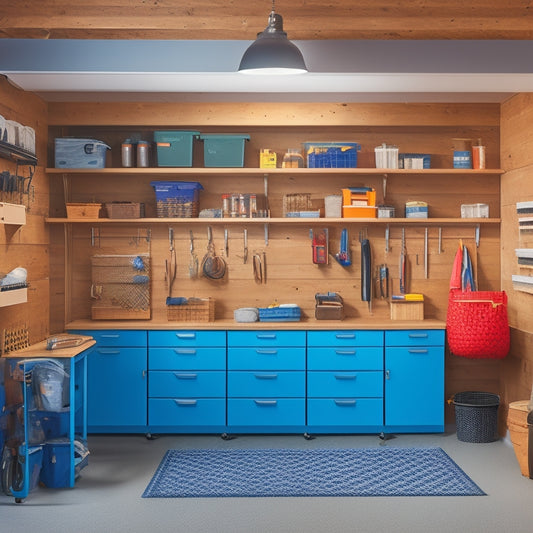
(476, 416)
(519, 433)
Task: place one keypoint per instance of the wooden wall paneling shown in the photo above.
(28, 245)
(338, 19)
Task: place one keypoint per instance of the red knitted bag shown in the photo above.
(477, 325)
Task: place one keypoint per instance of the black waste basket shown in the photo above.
(476, 416)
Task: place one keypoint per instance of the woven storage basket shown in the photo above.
(83, 210)
(476, 416)
(195, 310)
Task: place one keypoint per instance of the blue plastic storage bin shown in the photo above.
(80, 153)
(224, 150)
(177, 199)
(331, 154)
(279, 314)
(174, 148)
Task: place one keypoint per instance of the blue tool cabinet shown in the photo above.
(267, 381)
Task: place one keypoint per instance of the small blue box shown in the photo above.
(177, 199)
(55, 471)
(80, 153)
(462, 159)
(331, 155)
(174, 148)
(279, 314)
(224, 150)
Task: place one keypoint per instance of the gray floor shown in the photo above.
(107, 497)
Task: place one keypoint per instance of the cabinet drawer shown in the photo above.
(187, 358)
(164, 384)
(112, 337)
(347, 358)
(285, 384)
(186, 412)
(263, 412)
(415, 337)
(345, 338)
(187, 338)
(266, 358)
(266, 338)
(344, 384)
(345, 412)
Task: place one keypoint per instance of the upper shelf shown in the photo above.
(17, 154)
(268, 171)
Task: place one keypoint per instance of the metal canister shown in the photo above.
(143, 154)
(127, 153)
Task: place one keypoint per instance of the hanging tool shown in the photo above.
(213, 266)
(402, 272)
(387, 239)
(245, 237)
(170, 264)
(193, 263)
(343, 255)
(226, 242)
(383, 281)
(366, 270)
(426, 254)
(320, 246)
(259, 267)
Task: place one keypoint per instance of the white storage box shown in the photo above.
(474, 211)
(13, 132)
(3, 132)
(80, 153)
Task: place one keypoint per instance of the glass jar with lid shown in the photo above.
(293, 159)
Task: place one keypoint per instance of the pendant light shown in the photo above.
(272, 52)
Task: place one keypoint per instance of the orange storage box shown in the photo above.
(359, 202)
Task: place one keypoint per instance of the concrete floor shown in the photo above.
(107, 496)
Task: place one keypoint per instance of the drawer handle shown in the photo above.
(185, 351)
(186, 335)
(265, 336)
(110, 336)
(186, 376)
(345, 403)
(345, 336)
(266, 352)
(418, 335)
(266, 376)
(266, 403)
(422, 350)
(185, 403)
(345, 352)
(345, 376)
(108, 352)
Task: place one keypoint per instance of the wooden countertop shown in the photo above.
(39, 350)
(227, 324)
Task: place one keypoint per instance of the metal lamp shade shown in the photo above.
(272, 52)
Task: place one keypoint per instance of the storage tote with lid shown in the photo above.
(224, 150)
(80, 153)
(174, 148)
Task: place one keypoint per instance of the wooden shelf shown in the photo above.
(17, 154)
(267, 171)
(283, 221)
(14, 214)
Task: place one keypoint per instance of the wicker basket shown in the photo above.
(124, 209)
(476, 416)
(195, 310)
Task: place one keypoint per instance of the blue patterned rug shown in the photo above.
(316, 472)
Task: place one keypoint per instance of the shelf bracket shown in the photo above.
(476, 235)
(385, 176)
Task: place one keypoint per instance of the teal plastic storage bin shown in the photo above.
(224, 150)
(174, 148)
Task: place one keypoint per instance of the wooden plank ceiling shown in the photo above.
(242, 19)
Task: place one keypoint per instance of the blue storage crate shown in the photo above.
(279, 314)
(177, 199)
(80, 153)
(224, 150)
(332, 154)
(174, 148)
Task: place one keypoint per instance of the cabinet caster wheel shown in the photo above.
(382, 436)
(19, 500)
(225, 436)
(149, 436)
(308, 436)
